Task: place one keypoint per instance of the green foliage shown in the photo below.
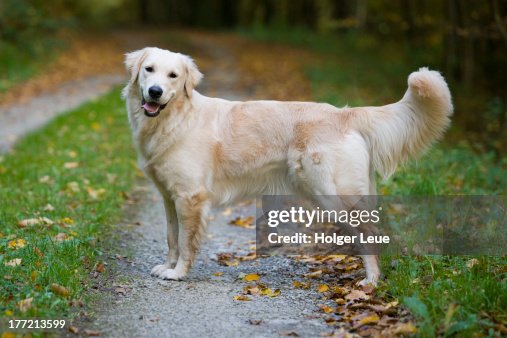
(86, 198)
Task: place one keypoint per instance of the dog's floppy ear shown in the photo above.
(194, 76)
(133, 62)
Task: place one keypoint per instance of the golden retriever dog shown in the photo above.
(203, 152)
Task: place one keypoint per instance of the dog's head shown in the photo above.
(161, 76)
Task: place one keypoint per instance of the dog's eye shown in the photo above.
(149, 69)
(173, 75)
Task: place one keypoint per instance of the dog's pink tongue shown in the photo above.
(151, 106)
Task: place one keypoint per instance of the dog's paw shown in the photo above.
(367, 281)
(163, 272)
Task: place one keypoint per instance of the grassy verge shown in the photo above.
(60, 190)
(18, 64)
(448, 295)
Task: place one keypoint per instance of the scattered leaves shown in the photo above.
(16, 243)
(100, 267)
(246, 222)
(242, 298)
(48, 207)
(356, 295)
(314, 274)
(252, 277)
(71, 165)
(25, 304)
(73, 329)
(227, 259)
(270, 293)
(325, 308)
(92, 333)
(322, 288)
(301, 285)
(59, 290)
(60, 237)
(13, 262)
(96, 194)
(473, 262)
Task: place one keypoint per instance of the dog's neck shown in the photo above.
(172, 122)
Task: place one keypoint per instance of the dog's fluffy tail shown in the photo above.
(404, 130)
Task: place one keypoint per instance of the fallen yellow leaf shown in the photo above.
(218, 274)
(252, 277)
(314, 274)
(323, 288)
(373, 319)
(16, 243)
(301, 285)
(246, 222)
(326, 309)
(242, 298)
(404, 329)
(270, 293)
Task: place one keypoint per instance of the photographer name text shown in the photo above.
(323, 238)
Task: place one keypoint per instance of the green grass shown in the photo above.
(18, 64)
(86, 198)
(445, 295)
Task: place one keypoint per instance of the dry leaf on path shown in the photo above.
(252, 277)
(242, 298)
(246, 222)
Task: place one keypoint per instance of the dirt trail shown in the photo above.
(203, 304)
(17, 120)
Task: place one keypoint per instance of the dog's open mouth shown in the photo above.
(152, 109)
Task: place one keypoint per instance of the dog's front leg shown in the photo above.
(172, 238)
(192, 214)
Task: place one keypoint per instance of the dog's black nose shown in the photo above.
(155, 92)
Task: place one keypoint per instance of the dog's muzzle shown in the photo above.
(152, 109)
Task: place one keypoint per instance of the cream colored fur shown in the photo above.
(204, 152)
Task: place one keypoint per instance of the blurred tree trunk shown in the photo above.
(324, 15)
(502, 28)
(281, 13)
(468, 35)
(361, 13)
(143, 10)
(450, 46)
(408, 14)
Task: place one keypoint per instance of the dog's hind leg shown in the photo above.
(343, 170)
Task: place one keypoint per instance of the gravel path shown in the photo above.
(18, 120)
(202, 305)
